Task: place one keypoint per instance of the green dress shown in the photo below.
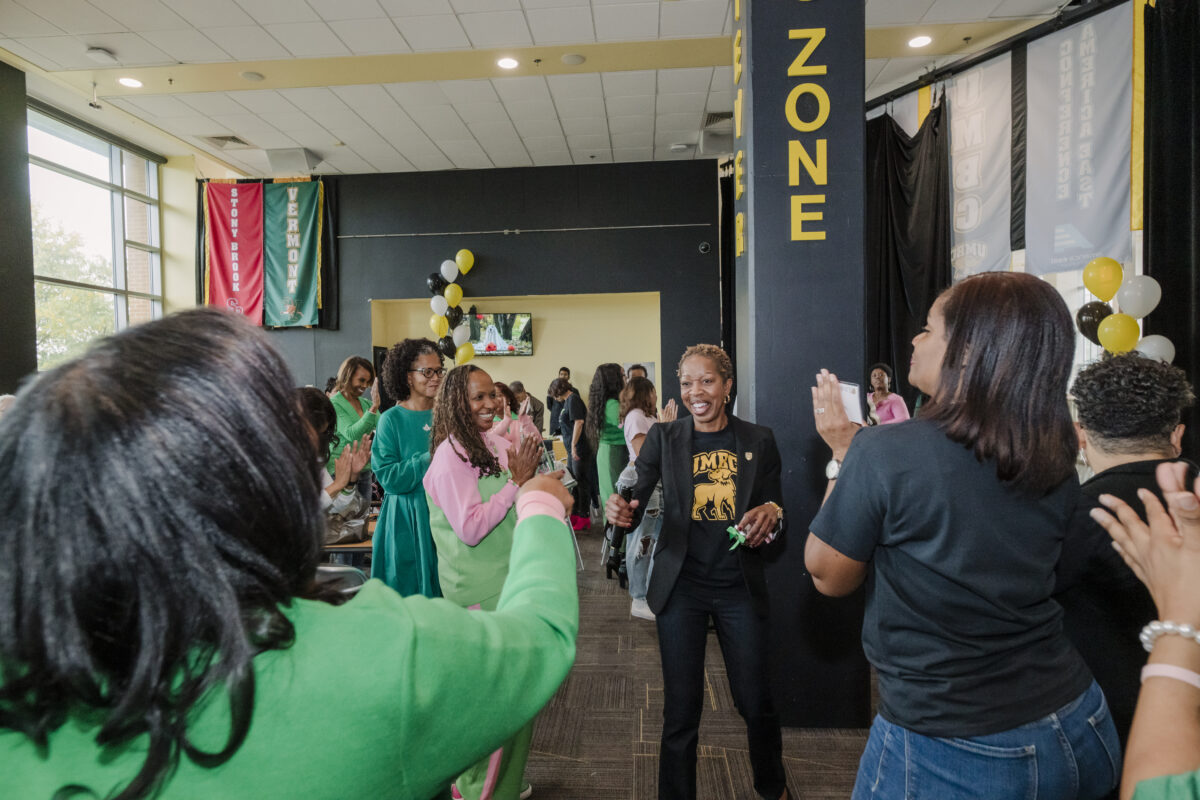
(402, 554)
(612, 455)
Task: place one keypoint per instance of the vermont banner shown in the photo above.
(263, 250)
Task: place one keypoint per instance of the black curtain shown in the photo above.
(328, 315)
(1171, 188)
(908, 236)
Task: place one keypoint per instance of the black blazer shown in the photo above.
(666, 454)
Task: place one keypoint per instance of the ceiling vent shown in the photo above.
(719, 121)
(716, 139)
(228, 143)
(292, 161)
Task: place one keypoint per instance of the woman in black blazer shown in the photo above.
(717, 471)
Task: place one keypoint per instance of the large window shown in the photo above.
(96, 256)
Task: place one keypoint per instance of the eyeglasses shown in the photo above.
(430, 372)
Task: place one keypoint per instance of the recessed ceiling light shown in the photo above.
(251, 76)
(573, 59)
(507, 63)
(132, 83)
(919, 41)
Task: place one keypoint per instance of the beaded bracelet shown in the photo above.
(1157, 628)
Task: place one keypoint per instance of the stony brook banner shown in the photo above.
(263, 250)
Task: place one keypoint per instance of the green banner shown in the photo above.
(292, 253)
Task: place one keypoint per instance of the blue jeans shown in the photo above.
(639, 560)
(1072, 754)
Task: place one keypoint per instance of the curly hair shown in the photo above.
(607, 384)
(714, 354)
(452, 417)
(397, 363)
(1131, 404)
(639, 394)
(887, 370)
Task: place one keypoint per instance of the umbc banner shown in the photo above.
(263, 250)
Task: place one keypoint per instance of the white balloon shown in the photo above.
(449, 271)
(1139, 295)
(1158, 347)
(462, 335)
(438, 304)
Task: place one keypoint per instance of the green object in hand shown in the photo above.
(737, 536)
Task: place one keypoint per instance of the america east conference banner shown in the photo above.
(263, 250)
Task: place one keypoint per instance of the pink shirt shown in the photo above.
(453, 484)
(891, 409)
(636, 424)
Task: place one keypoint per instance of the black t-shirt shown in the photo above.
(709, 560)
(1104, 604)
(959, 621)
(572, 409)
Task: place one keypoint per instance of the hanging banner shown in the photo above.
(1077, 185)
(292, 253)
(233, 216)
(980, 167)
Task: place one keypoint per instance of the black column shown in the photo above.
(798, 173)
(18, 344)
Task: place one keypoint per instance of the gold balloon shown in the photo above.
(465, 260)
(439, 324)
(1102, 276)
(1118, 333)
(464, 353)
(453, 295)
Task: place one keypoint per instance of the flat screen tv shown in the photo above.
(501, 334)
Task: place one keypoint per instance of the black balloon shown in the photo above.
(454, 316)
(1089, 316)
(436, 283)
(447, 347)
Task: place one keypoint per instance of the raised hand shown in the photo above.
(829, 414)
(523, 460)
(669, 413)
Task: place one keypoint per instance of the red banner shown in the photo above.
(233, 214)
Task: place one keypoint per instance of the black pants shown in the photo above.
(682, 632)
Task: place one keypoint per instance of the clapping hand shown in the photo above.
(523, 460)
(669, 413)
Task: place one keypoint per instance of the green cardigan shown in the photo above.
(383, 697)
(350, 427)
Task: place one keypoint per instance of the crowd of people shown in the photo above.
(166, 498)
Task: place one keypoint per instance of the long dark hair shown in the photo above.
(319, 412)
(158, 499)
(397, 363)
(1003, 385)
(452, 417)
(607, 383)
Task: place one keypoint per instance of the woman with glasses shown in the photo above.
(402, 553)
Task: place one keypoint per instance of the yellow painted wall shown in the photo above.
(580, 331)
(177, 205)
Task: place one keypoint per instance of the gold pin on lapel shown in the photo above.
(749, 456)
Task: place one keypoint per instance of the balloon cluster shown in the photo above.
(453, 335)
(1137, 296)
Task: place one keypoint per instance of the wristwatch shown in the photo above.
(832, 469)
(778, 517)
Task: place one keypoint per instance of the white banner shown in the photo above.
(980, 102)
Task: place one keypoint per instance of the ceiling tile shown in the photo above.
(211, 103)
(630, 106)
(670, 137)
(665, 154)
(536, 110)
(581, 107)
(364, 36)
(74, 16)
(70, 51)
(323, 106)
(29, 54)
(17, 21)
(625, 84)
(415, 8)
(268, 12)
(873, 67)
(272, 139)
(902, 69)
(263, 101)
(693, 18)
(544, 144)
(516, 90)
(141, 15)
(188, 45)
(244, 124)
(466, 154)
(417, 94)
(626, 22)
(681, 103)
(631, 124)
(296, 123)
(308, 39)
(481, 112)
(592, 156)
(497, 29)
(557, 159)
(440, 123)
(537, 127)
(722, 79)
(515, 158)
(1026, 8)
(247, 43)
(553, 3)
(493, 131)
(347, 161)
(896, 12)
(583, 127)
(677, 122)
(475, 6)
(463, 92)
(210, 13)
(337, 10)
(626, 154)
(561, 25)
(959, 11)
(720, 101)
(440, 32)
(696, 79)
(639, 139)
(588, 141)
(429, 161)
(583, 85)
(390, 162)
(195, 125)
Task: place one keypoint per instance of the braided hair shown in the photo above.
(452, 418)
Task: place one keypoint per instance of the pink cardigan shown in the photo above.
(453, 484)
